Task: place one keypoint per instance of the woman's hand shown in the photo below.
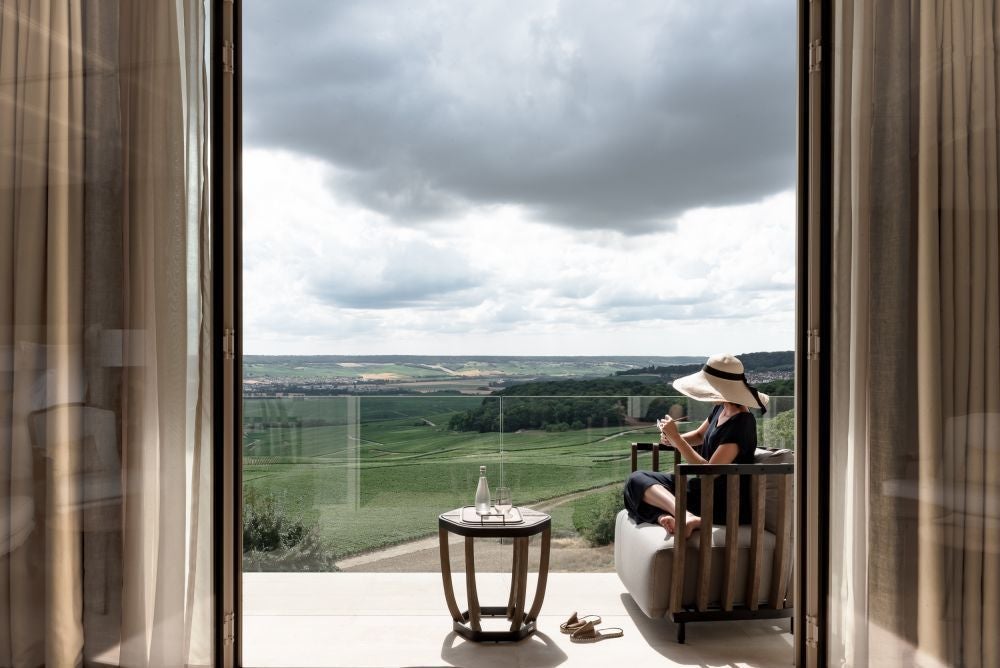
(668, 430)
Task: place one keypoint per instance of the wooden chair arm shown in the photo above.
(735, 469)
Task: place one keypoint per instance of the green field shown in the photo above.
(373, 471)
(381, 468)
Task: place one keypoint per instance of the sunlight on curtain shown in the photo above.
(852, 281)
(915, 476)
(105, 445)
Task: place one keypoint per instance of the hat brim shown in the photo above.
(703, 387)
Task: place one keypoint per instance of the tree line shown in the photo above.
(780, 361)
(556, 405)
(565, 405)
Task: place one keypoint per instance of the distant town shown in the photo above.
(331, 375)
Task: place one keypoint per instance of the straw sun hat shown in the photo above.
(722, 379)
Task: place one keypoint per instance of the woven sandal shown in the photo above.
(575, 623)
(588, 633)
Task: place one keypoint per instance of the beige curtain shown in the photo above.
(41, 214)
(915, 476)
(105, 459)
(849, 374)
(167, 612)
(958, 340)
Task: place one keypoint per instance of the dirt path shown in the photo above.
(368, 559)
(622, 433)
(440, 368)
(549, 504)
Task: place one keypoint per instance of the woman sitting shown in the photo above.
(728, 436)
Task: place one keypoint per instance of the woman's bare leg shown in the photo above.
(660, 497)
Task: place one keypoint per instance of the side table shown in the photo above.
(522, 624)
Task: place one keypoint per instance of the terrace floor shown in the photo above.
(400, 619)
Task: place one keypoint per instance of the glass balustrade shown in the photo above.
(357, 482)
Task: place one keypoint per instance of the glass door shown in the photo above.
(489, 235)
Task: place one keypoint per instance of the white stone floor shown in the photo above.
(400, 619)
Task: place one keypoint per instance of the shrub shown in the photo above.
(310, 554)
(594, 516)
(266, 525)
(777, 432)
(275, 541)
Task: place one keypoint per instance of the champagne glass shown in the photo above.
(504, 503)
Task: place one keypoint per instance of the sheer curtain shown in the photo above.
(915, 476)
(105, 450)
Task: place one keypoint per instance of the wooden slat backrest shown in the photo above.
(756, 541)
(783, 545)
(705, 541)
(781, 563)
(732, 541)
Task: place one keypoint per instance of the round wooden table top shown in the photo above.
(533, 522)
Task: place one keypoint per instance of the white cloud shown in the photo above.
(326, 276)
(519, 177)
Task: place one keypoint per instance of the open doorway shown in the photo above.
(492, 235)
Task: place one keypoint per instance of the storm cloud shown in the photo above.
(616, 116)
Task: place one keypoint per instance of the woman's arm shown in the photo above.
(685, 443)
(724, 454)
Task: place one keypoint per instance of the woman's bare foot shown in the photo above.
(670, 524)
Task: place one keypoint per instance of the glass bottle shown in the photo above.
(482, 494)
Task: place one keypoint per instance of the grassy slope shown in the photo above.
(387, 482)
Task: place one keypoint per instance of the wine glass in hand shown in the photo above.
(504, 503)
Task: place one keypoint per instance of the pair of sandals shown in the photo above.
(584, 629)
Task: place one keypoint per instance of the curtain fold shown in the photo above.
(166, 569)
(105, 444)
(852, 354)
(915, 579)
(959, 334)
(41, 206)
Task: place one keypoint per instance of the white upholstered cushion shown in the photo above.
(762, 456)
(644, 560)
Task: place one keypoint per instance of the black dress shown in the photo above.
(740, 429)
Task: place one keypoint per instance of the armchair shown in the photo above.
(740, 572)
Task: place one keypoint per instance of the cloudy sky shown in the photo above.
(519, 178)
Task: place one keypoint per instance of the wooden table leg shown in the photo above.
(449, 590)
(513, 579)
(543, 575)
(470, 584)
(522, 582)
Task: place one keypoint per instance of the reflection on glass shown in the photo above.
(332, 482)
(106, 518)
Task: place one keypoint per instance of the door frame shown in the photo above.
(812, 325)
(225, 148)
